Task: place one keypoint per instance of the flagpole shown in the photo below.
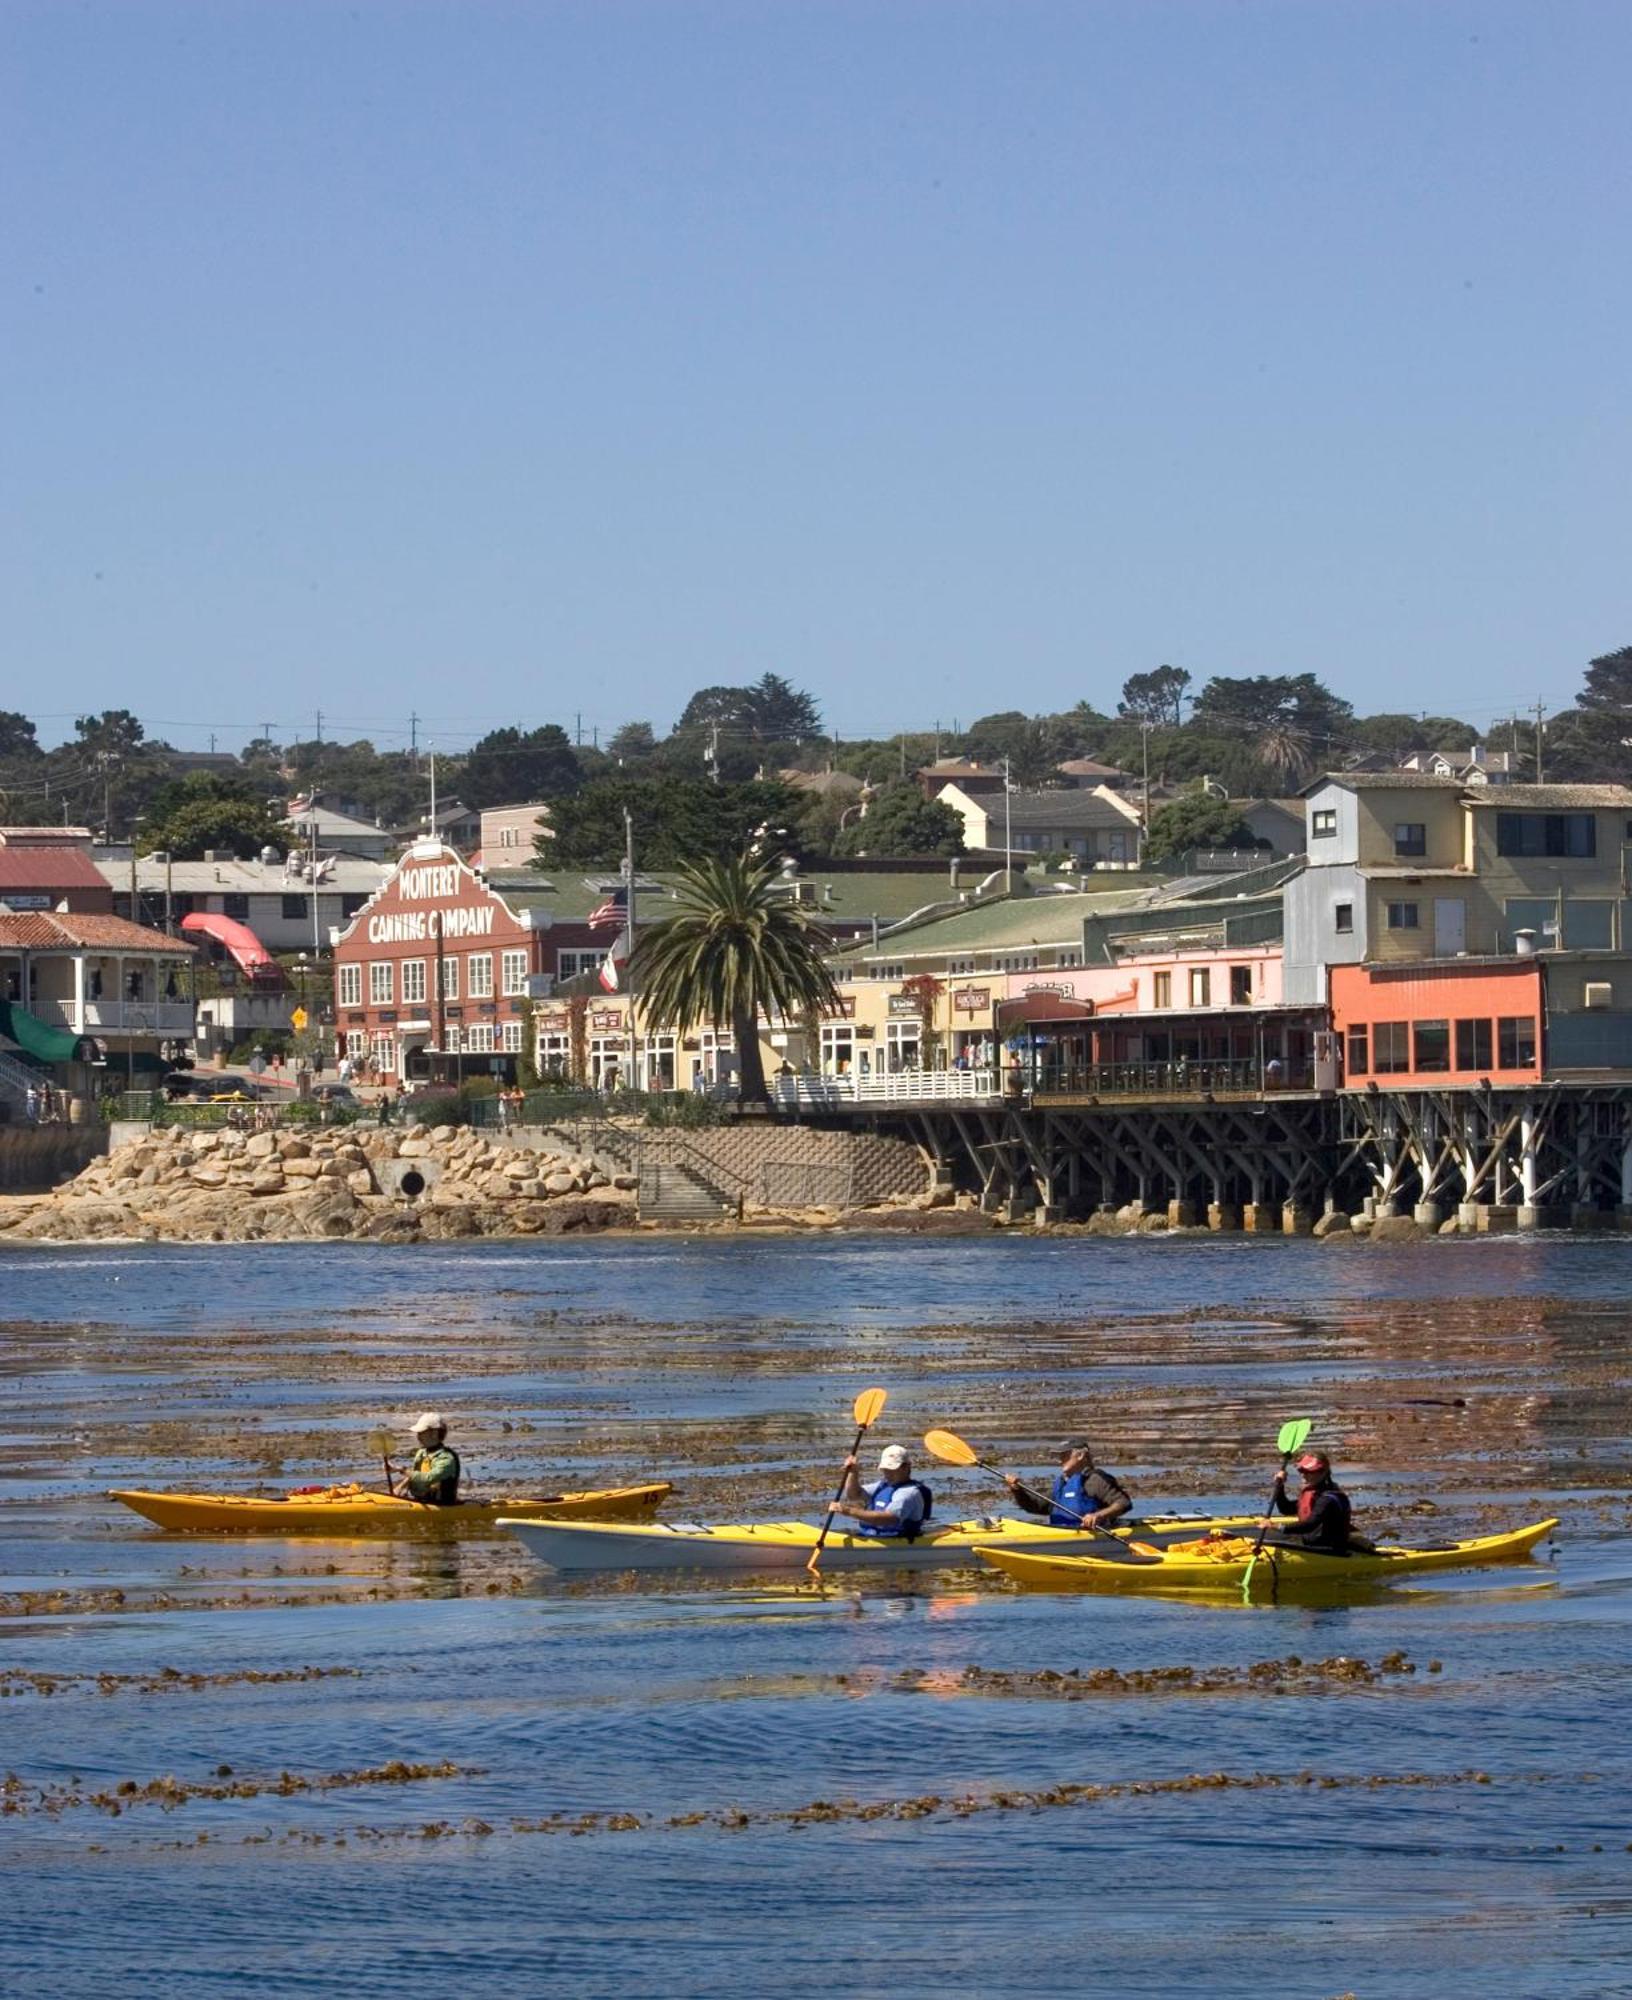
(629, 905)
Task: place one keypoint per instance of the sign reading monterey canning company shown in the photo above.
(433, 883)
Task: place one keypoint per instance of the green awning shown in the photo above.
(36, 1037)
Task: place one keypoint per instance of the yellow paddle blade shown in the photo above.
(379, 1442)
(950, 1448)
(869, 1407)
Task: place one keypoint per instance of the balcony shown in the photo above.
(166, 1020)
(907, 1086)
(1240, 1076)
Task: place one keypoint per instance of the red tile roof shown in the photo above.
(39, 932)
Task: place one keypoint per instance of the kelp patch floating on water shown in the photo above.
(19, 1798)
(167, 1680)
(1289, 1676)
(929, 1805)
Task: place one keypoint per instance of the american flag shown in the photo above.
(615, 910)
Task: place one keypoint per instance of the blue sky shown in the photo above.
(516, 363)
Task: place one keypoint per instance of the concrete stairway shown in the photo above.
(683, 1191)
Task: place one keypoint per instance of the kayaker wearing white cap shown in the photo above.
(893, 1504)
(1085, 1495)
(434, 1474)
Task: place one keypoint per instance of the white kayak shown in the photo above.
(589, 1545)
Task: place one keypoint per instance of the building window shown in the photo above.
(1393, 1051)
(1433, 1046)
(1323, 824)
(1343, 918)
(294, 908)
(1473, 1045)
(349, 906)
(1240, 985)
(450, 977)
(959, 968)
(1516, 1041)
(235, 906)
(385, 1051)
(413, 981)
(511, 1030)
(380, 989)
(1201, 986)
(451, 1041)
(513, 972)
(886, 972)
(1562, 836)
(1410, 837)
(1359, 1054)
(479, 1039)
(568, 964)
(356, 1043)
(348, 986)
(1402, 916)
(481, 975)
(1067, 958)
(1162, 982)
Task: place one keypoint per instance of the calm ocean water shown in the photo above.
(1467, 1829)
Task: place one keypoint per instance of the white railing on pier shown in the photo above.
(173, 1018)
(904, 1086)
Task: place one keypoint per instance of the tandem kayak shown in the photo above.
(350, 1510)
(1218, 1564)
(584, 1545)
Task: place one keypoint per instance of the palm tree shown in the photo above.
(1286, 747)
(737, 947)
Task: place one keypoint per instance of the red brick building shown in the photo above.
(433, 974)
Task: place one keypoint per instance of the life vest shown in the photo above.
(446, 1490)
(1336, 1534)
(878, 1496)
(1071, 1504)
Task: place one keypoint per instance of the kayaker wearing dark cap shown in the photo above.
(1321, 1514)
(893, 1504)
(434, 1475)
(1085, 1495)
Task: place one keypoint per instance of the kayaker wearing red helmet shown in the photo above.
(1321, 1514)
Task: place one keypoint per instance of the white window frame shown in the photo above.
(511, 1037)
(382, 983)
(513, 975)
(1201, 985)
(385, 1053)
(356, 1042)
(574, 960)
(350, 986)
(479, 1038)
(450, 977)
(413, 982)
(480, 978)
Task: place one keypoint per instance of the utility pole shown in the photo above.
(1008, 837)
(1540, 710)
(320, 729)
(578, 729)
(713, 757)
(413, 738)
(1145, 728)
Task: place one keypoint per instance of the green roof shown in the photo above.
(569, 894)
(998, 924)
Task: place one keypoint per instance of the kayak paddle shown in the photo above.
(869, 1406)
(954, 1450)
(380, 1441)
(1293, 1436)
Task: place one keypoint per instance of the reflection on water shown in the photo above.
(723, 1785)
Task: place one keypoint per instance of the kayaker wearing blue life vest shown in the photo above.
(893, 1504)
(1085, 1495)
(1321, 1516)
(434, 1474)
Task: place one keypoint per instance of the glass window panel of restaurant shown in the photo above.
(1516, 1041)
(1359, 1050)
(1392, 1048)
(1162, 989)
(481, 975)
(385, 1053)
(356, 1042)
(1201, 986)
(1473, 1045)
(554, 1055)
(1432, 1046)
(1240, 985)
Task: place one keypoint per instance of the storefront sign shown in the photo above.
(417, 926)
(971, 999)
(605, 1021)
(904, 1007)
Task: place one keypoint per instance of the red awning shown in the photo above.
(1036, 1007)
(239, 939)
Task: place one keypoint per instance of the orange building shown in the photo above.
(1439, 1024)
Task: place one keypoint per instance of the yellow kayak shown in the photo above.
(351, 1510)
(1218, 1564)
(765, 1545)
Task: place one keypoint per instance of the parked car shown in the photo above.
(336, 1094)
